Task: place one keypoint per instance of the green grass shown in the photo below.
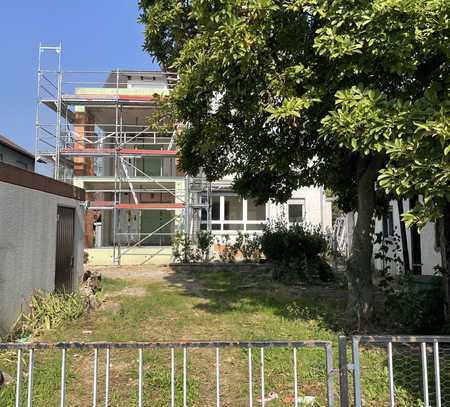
(203, 306)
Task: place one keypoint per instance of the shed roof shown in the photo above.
(5, 141)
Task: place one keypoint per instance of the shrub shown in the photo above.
(413, 306)
(296, 251)
(229, 250)
(183, 250)
(249, 246)
(204, 242)
(49, 311)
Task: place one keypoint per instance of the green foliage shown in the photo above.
(204, 242)
(183, 250)
(296, 251)
(249, 247)
(411, 304)
(414, 136)
(50, 311)
(228, 249)
(414, 307)
(286, 94)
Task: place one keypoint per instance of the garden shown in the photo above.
(208, 306)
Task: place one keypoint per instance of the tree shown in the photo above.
(263, 84)
(415, 136)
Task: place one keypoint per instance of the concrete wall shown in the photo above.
(317, 208)
(28, 245)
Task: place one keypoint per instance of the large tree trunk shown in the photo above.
(445, 255)
(359, 269)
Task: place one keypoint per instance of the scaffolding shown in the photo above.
(92, 129)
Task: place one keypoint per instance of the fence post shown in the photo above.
(356, 371)
(343, 371)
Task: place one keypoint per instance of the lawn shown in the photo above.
(201, 306)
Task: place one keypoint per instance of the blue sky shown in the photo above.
(95, 35)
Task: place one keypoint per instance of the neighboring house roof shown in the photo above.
(13, 146)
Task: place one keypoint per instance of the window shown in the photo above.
(388, 224)
(1, 157)
(254, 211)
(231, 213)
(215, 208)
(295, 212)
(233, 208)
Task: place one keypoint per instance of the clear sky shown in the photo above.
(95, 35)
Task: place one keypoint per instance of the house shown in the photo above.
(415, 251)
(418, 251)
(137, 200)
(13, 154)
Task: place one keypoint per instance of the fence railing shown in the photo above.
(417, 369)
(383, 370)
(26, 352)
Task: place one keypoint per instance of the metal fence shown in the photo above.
(415, 370)
(257, 392)
(381, 370)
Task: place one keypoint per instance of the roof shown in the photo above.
(13, 146)
(27, 179)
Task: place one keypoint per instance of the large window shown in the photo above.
(231, 213)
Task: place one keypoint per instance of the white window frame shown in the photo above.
(244, 222)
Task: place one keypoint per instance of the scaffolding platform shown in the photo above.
(125, 152)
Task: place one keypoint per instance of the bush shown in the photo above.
(413, 306)
(49, 311)
(249, 247)
(229, 250)
(297, 252)
(204, 242)
(183, 250)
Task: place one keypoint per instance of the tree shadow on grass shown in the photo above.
(250, 292)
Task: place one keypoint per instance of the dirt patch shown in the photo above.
(132, 291)
(145, 273)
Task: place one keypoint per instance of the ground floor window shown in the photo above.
(230, 212)
(296, 211)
